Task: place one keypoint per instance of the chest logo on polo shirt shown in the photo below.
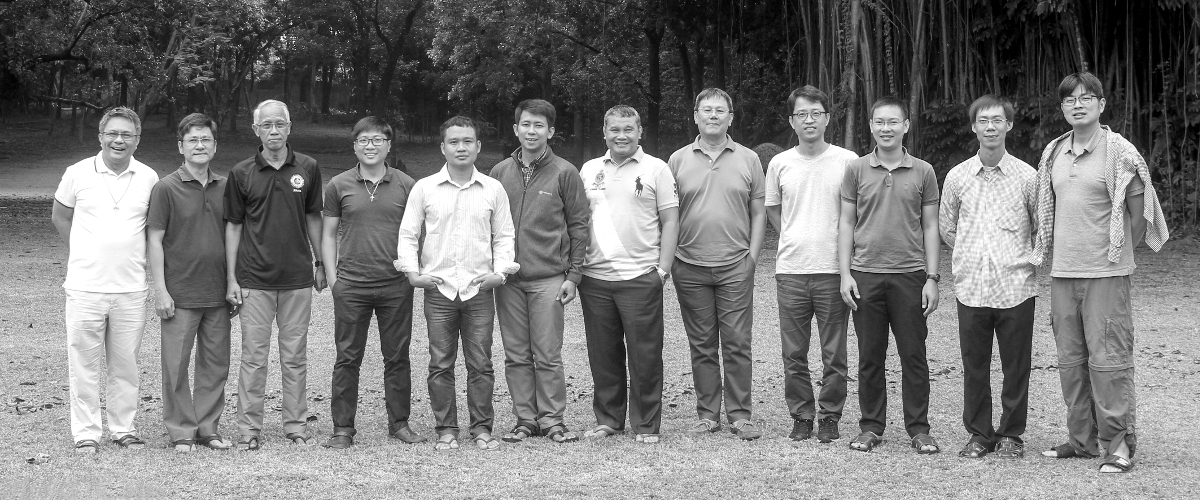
(598, 184)
(297, 182)
(637, 187)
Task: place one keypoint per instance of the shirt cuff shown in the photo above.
(406, 267)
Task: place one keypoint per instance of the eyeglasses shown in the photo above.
(1084, 100)
(889, 123)
(718, 112)
(983, 122)
(194, 141)
(374, 141)
(803, 116)
(272, 125)
(125, 136)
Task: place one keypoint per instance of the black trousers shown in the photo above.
(1013, 328)
(623, 321)
(352, 308)
(891, 300)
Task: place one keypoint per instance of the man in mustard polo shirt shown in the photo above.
(888, 246)
(722, 220)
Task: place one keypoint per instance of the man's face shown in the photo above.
(991, 125)
(119, 140)
(371, 147)
(460, 147)
(1078, 113)
(272, 128)
(713, 117)
(888, 126)
(198, 146)
(622, 134)
(811, 127)
(534, 131)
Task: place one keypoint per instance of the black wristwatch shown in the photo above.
(937, 278)
(317, 263)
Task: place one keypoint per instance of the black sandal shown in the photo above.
(559, 434)
(88, 446)
(130, 441)
(248, 443)
(1122, 464)
(519, 432)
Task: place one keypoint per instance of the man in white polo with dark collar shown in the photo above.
(100, 212)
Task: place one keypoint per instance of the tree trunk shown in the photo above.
(326, 89)
(685, 66)
(945, 49)
(654, 34)
(916, 76)
(849, 79)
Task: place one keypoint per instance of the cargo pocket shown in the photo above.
(1118, 340)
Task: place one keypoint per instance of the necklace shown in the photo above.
(116, 201)
(367, 184)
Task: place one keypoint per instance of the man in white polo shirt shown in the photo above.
(100, 213)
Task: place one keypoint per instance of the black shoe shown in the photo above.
(827, 430)
(801, 429)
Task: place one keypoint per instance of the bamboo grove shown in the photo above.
(417, 61)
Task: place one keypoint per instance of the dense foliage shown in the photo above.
(417, 61)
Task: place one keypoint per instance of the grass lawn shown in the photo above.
(35, 419)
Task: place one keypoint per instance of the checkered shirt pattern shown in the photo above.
(987, 218)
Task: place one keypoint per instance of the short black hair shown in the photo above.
(890, 101)
(536, 107)
(622, 111)
(371, 124)
(1089, 82)
(808, 93)
(992, 101)
(459, 121)
(195, 120)
(713, 92)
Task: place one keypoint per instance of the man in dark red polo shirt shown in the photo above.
(367, 204)
(272, 210)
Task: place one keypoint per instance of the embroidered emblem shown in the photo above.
(598, 184)
(297, 182)
(637, 187)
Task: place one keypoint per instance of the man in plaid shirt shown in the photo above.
(986, 217)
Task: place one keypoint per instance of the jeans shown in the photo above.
(800, 298)
(470, 320)
(392, 305)
(531, 328)
(1013, 331)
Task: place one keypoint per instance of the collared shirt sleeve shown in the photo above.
(235, 199)
(408, 245)
(850, 183)
(758, 181)
(666, 194)
(930, 195)
(504, 252)
(312, 198)
(159, 215)
(65, 194)
(333, 201)
(948, 213)
(578, 214)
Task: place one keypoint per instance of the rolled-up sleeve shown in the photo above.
(503, 235)
(408, 244)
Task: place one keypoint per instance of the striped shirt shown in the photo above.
(987, 218)
(468, 232)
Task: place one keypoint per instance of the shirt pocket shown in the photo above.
(480, 221)
(1011, 216)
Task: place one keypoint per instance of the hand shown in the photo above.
(487, 281)
(320, 284)
(566, 293)
(929, 297)
(850, 291)
(330, 278)
(164, 305)
(424, 281)
(753, 265)
(234, 295)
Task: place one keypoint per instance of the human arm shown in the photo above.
(233, 239)
(758, 228)
(313, 219)
(668, 218)
(1136, 205)
(62, 216)
(164, 305)
(329, 227)
(846, 222)
(948, 213)
(775, 217)
(933, 248)
(408, 243)
(578, 214)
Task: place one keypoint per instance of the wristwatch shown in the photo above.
(937, 278)
(317, 263)
(503, 278)
(662, 273)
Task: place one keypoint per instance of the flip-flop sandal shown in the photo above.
(184, 446)
(446, 442)
(249, 443)
(925, 444)
(600, 432)
(300, 438)
(130, 441)
(866, 441)
(1122, 464)
(519, 433)
(88, 446)
(647, 438)
(214, 442)
(1064, 450)
(486, 442)
(560, 434)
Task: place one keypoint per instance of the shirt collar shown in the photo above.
(186, 175)
(637, 157)
(1092, 144)
(443, 175)
(1003, 166)
(262, 162)
(387, 173)
(541, 160)
(906, 162)
(729, 144)
(101, 168)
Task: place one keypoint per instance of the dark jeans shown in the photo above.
(717, 308)
(625, 319)
(801, 297)
(1092, 320)
(891, 300)
(472, 321)
(1013, 329)
(392, 305)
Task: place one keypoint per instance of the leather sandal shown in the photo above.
(519, 432)
(87, 446)
(1121, 464)
(973, 449)
(130, 441)
(446, 442)
(600, 432)
(866, 441)
(249, 443)
(926, 445)
(214, 442)
(559, 434)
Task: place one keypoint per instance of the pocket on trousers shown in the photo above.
(1118, 341)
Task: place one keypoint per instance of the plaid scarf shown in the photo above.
(1122, 163)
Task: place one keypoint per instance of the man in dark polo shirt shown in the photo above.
(367, 204)
(272, 210)
(888, 244)
(722, 220)
(186, 245)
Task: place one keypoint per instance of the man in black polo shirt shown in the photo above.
(186, 246)
(272, 210)
(367, 204)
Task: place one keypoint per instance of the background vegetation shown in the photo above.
(418, 61)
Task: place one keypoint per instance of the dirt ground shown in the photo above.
(34, 418)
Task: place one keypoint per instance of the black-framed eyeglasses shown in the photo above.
(1085, 100)
(193, 142)
(803, 115)
(374, 141)
(125, 136)
(983, 122)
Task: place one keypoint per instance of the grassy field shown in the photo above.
(35, 420)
